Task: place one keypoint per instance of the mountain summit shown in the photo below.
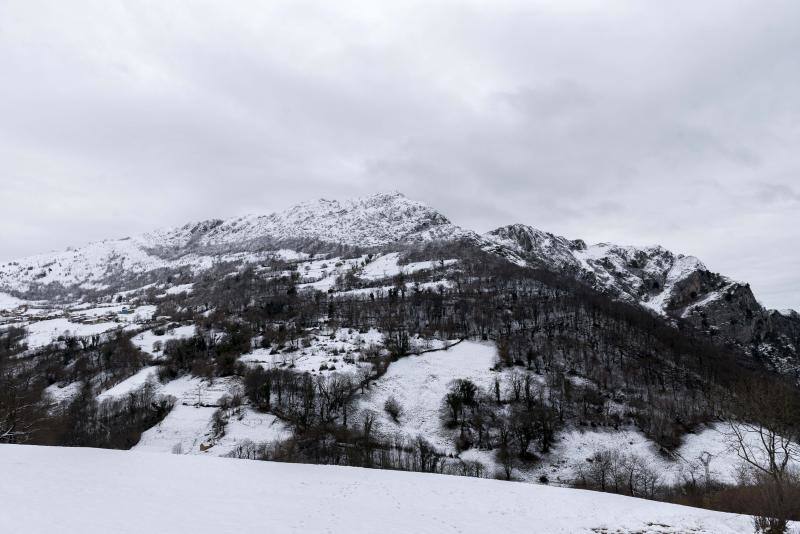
(372, 221)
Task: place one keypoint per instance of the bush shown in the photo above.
(393, 408)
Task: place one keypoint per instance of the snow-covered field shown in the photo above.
(88, 491)
(341, 353)
(8, 302)
(419, 384)
(152, 344)
(42, 333)
(188, 424)
(46, 325)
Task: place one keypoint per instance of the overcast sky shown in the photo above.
(634, 122)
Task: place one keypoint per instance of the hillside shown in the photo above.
(518, 355)
(98, 491)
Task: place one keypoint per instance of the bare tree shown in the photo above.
(766, 435)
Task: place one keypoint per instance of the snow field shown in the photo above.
(342, 354)
(93, 491)
(147, 340)
(188, 424)
(419, 384)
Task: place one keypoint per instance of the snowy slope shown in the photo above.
(419, 383)
(99, 491)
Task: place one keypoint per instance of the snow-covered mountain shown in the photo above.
(651, 276)
(669, 284)
(371, 222)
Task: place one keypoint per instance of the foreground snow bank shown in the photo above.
(53, 489)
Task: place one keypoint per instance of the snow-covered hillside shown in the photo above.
(71, 490)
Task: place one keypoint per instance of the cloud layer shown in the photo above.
(635, 122)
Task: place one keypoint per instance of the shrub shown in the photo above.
(393, 408)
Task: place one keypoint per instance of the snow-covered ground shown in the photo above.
(188, 424)
(182, 288)
(130, 384)
(341, 353)
(60, 394)
(419, 384)
(386, 266)
(152, 344)
(183, 431)
(46, 324)
(249, 426)
(715, 444)
(7, 302)
(42, 333)
(88, 491)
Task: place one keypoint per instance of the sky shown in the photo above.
(634, 122)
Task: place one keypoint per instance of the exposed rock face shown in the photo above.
(781, 345)
(733, 314)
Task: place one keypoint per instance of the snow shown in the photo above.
(383, 291)
(325, 354)
(120, 312)
(130, 384)
(574, 446)
(376, 220)
(321, 274)
(386, 266)
(184, 429)
(146, 341)
(250, 426)
(60, 394)
(94, 491)
(419, 383)
(628, 272)
(714, 442)
(718, 442)
(42, 333)
(707, 299)
(7, 302)
(188, 425)
(182, 288)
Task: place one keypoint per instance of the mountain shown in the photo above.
(651, 276)
(671, 285)
(373, 221)
(376, 333)
(365, 223)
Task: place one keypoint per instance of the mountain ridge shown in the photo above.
(674, 286)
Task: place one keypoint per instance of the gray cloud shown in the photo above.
(633, 122)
